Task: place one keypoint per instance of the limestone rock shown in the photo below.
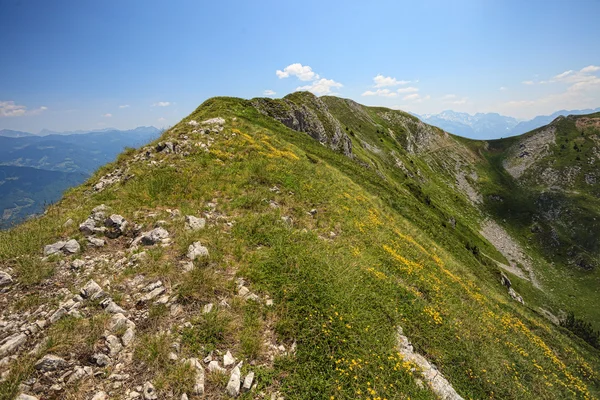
(100, 396)
(194, 223)
(58, 314)
(91, 290)
(71, 247)
(24, 396)
(228, 359)
(154, 236)
(5, 279)
(196, 250)
(113, 308)
(77, 264)
(114, 345)
(100, 359)
(213, 366)
(199, 378)
(54, 248)
(88, 227)
(12, 343)
(248, 380)
(128, 337)
(96, 242)
(436, 381)
(515, 296)
(149, 391)
(50, 362)
(233, 386)
(116, 225)
(118, 322)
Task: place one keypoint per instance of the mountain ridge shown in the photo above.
(254, 234)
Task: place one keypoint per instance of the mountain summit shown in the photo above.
(308, 248)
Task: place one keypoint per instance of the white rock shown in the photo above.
(78, 374)
(154, 236)
(149, 391)
(213, 366)
(114, 345)
(101, 359)
(154, 293)
(53, 248)
(58, 314)
(119, 322)
(228, 359)
(91, 290)
(24, 396)
(113, 308)
(199, 379)
(233, 386)
(207, 308)
(196, 250)
(71, 246)
(5, 279)
(88, 227)
(150, 287)
(243, 291)
(184, 397)
(128, 337)
(50, 362)
(96, 242)
(194, 223)
(77, 264)
(100, 396)
(214, 121)
(248, 380)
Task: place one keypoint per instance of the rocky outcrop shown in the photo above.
(434, 378)
(304, 112)
(525, 153)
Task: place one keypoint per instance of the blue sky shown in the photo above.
(92, 64)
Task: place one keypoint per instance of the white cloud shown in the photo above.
(590, 68)
(416, 98)
(502, 88)
(269, 92)
(449, 97)
(162, 104)
(380, 92)
(107, 115)
(563, 75)
(580, 90)
(124, 106)
(302, 72)
(383, 81)
(161, 119)
(321, 86)
(528, 83)
(409, 89)
(10, 109)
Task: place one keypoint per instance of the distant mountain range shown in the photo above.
(36, 169)
(491, 125)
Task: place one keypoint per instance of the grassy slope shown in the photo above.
(567, 286)
(390, 262)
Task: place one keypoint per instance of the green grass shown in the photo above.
(392, 260)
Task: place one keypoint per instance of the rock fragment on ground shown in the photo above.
(196, 250)
(194, 223)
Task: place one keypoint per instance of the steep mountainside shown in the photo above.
(297, 248)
